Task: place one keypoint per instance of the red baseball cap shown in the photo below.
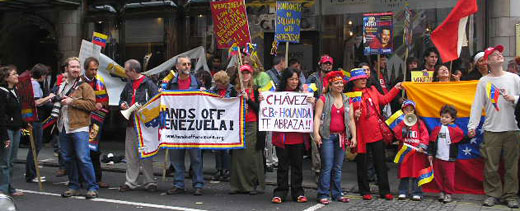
(247, 67)
(326, 58)
(490, 50)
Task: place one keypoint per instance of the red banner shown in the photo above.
(230, 23)
(25, 91)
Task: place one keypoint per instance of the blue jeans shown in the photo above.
(7, 157)
(30, 169)
(178, 156)
(76, 155)
(332, 156)
(222, 160)
(404, 183)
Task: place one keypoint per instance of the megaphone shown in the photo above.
(126, 113)
(410, 119)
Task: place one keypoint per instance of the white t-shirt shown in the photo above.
(443, 144)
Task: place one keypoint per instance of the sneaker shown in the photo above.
(389, 196)
(35, 180)
(417, 198)
(175, 190)
(401, 197)
(490, 201)
(170, 171)
(324, 201)
(91, 194)
(225, 176)
(69, 193)
(441, 196)
(367, 197)
(343, 199)
(276, 200)
(198, 192)
(302, 199)
(512, 203)
(447, 198)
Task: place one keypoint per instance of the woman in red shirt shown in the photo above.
(247, 165)
(333, 125)
(290, 147)
(367, 114)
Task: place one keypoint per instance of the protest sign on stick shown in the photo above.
(230, 23)
(287, 27)
(286, 112)
(422, 76)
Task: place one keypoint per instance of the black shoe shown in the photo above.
(151, 188)
(124, 188)
(225, 176)
(198, 192)
(217, 176)
(175, 190)
(170, 171)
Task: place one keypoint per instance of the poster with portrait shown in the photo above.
(378, 33)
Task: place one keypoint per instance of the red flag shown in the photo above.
(448, 37)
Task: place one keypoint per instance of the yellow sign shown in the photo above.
(422, 76)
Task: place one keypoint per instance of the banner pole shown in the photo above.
(378, 66)
(33, 149)
(165, 163)
(405, 69)
(238, 69)
(287, 53)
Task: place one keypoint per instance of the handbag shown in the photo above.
(386, 132)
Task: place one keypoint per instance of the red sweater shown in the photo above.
(367, 126)
(417, 137)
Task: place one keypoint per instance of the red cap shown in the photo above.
(246, 67)
(490, 50)
(326, 58)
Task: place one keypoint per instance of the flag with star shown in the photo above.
(429, 99)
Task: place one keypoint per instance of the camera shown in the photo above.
(56, 107)
(56, 99)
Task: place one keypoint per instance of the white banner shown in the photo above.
(114, 74)
(286, 112)
(190, 119)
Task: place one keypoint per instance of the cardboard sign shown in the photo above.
(190, 119)
(422, 76)
(230, 23)
(286, 112)
(378, 33)
(288, 18)
(25, 90)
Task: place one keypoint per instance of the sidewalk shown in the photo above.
(349, 181)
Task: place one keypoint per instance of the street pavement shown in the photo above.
(215, 194)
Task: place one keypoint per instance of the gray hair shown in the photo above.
(134, 65)
(181, 57)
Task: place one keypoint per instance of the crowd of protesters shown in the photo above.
(339, 125)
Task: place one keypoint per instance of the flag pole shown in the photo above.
(238, 69)
(405, 69)
(378, 66)
(287, 53)
(35, 158)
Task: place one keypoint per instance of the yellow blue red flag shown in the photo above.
(404, 153)
(429, 98)
(99, 39)
(492, 93)
(425, 176)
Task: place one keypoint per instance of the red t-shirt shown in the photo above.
(294, 138)
(382, 81)
(251, 115)
(337, 124)
(222, 92)
(184, 84)
(135, 85)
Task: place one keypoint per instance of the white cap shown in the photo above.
(478, 56)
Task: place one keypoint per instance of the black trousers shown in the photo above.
(378, 152)
(291, 156)
(96, 162)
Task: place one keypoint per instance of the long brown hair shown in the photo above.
(5, 71)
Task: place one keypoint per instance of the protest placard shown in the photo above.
(288, 18)
(422, 76)
(378, 33)
(190, 119)
(230, 23)
(286, 112)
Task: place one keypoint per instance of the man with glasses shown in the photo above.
(184, 80)
(500, 129)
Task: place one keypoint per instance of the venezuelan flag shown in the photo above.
(233, 50)
(429, 99)
(311, 87)
(492, 93)
(403, 153)
(395, 119)
(49, 122)
(426, 176)
(99, 39)
(355, 97)
(269, 87)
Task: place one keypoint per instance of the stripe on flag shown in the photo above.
(426, 176)
(403, 154)
(395, 119)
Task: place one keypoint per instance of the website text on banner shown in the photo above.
(430, 97)
(288, 18)
(286, 112)
(190, 119)
(230, 23)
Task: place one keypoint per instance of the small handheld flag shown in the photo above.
(99, 39)
(492, 93)
(425, 176)
(355, 97)
(233, 50)
(269, 87)
(404, 153)
(395, 119)
(310, 88)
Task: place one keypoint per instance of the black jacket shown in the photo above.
(10, 112)
(146, 90)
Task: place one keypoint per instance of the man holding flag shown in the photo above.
(501, 133)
